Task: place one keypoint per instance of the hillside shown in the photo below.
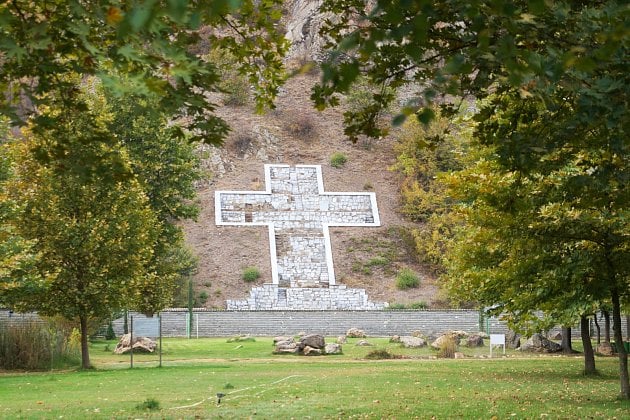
(295, 133)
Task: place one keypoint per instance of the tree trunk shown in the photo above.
(627, 327)
(567, 348)
(85, 354)
(621, 351)
(589, 355)
(606, 326)
(599, 330)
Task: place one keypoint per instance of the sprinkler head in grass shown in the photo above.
(219, 396)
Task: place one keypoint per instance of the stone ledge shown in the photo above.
(267, 297)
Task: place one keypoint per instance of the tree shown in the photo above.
(548, 204)
(167, 168)
(141, 48)
(424, 154)
(90, 225)
(543, 230)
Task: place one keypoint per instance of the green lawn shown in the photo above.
(257, 383)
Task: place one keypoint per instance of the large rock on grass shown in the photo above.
(512, 340)
(310, 351)
(315, 341)
(539, 344)
(605, 349)
(355, 333)
(474, 340)
(443, 339)
(333, 348)
(140, 345)
(286, 347)
(412, 342)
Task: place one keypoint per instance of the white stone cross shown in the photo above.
(298, 213)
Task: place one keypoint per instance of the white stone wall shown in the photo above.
(271, 297)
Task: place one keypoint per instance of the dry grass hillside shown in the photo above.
(295, 133)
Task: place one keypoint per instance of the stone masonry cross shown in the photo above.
(298, 213)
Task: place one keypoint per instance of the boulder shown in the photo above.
(459, 355)
(512, 340)
(439, 342)
(394, 339)
(556, 335)
(417, 333)
(140, 345)
(605, 349)
(539, 344)
(342, 339)
(333, 348)
(355, 333)
(281, 339)
(315, 341)
(482, 334)
(412, 342)
(363, 343)
(311, 351)
(458, 333)
(284, 347)
(474, 340)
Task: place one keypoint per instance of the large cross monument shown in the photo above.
(298, 213)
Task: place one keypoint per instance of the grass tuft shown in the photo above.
(407, 279)
(251, 274)
(381, 354)
(338, 160)
(150, 404)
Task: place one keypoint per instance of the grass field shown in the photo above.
(258, 384)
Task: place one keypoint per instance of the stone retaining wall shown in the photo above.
(329, 323)
(207, 323)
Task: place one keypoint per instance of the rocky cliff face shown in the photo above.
(303, 21)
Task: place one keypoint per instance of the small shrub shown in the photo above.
(448, 348)
(407, 279)
(418, 305)
(368, 186)
(203, 297)
(110, 334)
(338, 159)
(241, 144)
(251, 274)
(228, 386)
(381, 354)
(149, 404)
(301, 126)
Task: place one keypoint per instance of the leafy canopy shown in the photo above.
(141, 48)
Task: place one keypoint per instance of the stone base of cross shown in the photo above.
(298, 213)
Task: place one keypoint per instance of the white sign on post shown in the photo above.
(497, 340)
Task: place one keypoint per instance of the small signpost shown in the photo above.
(142, 326)
(497, 340)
